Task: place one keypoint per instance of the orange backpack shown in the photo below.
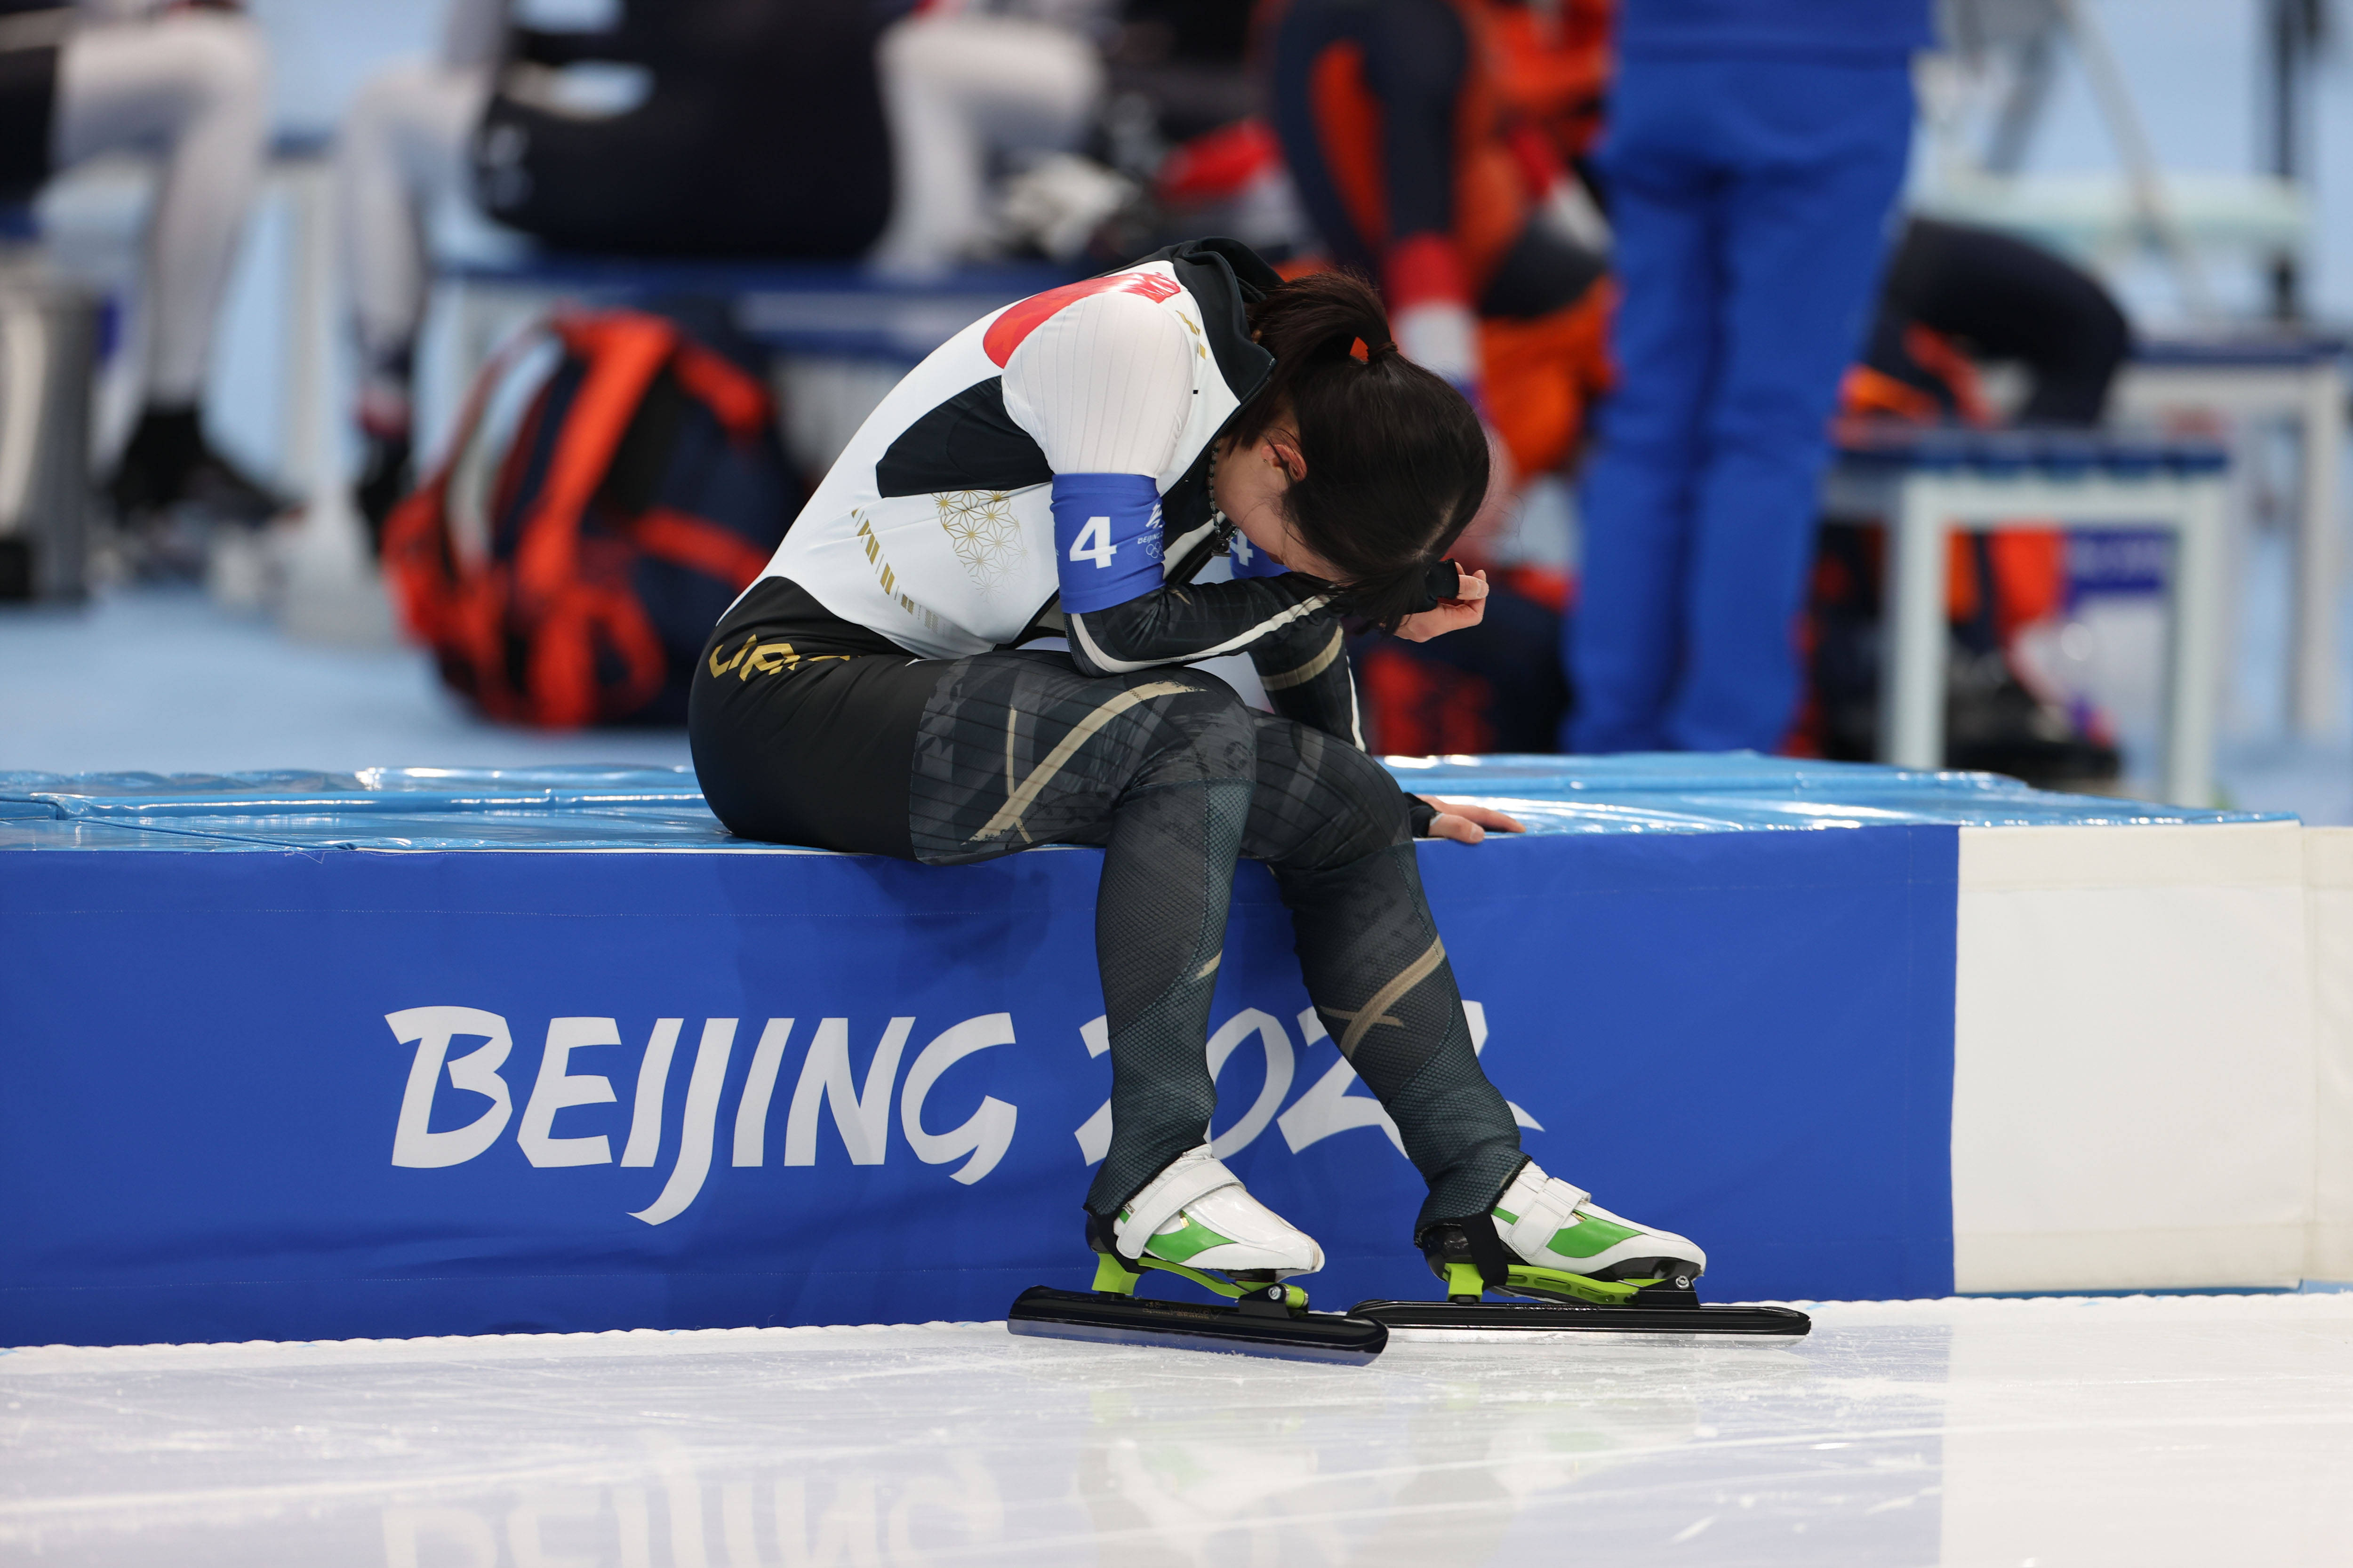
(614, 483)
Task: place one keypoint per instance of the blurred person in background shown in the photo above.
(687, 127)
(967, 84)
(1435, 146)
(188, 84)
(812, 128)
(1752, 152)
(1956, 297)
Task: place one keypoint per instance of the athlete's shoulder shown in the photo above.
(1108, 328)
(1209, 284)
(1224, 277)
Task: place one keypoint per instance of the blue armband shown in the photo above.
(1107, 542)
(1249, 561)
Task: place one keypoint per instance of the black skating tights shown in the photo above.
(1176, 778)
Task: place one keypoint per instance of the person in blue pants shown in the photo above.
(1754, 150)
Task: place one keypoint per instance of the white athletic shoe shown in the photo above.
(1198, 1213)
(1554, 1224)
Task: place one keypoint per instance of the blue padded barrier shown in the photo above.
(259, 1030)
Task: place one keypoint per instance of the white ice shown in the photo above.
(2011, 1434)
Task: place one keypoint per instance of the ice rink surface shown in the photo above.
(2010, 1433)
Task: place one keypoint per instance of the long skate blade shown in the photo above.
(1195, 1326)
(1560, 1317)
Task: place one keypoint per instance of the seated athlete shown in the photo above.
(1062, 468)
(188, 85)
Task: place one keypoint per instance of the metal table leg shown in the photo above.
(2194, 657)
(2319, 560)
(1912, 721)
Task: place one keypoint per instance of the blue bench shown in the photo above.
(1927, 483)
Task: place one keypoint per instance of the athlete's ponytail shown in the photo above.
(1396, 464)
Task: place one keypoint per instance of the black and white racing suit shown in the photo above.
(1046, 475)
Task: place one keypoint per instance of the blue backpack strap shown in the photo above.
(1107, 540)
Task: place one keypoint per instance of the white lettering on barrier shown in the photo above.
(1279, 1067)
(752, 1110)
(863, 1119)
(702, 1116)
(1328, 1108)
(987, 1133)
(1094, 1133)
(653, 1079)
(431, 1029)
(861, 1112)
(558, 1088)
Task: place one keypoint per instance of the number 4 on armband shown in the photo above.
(1093, 542)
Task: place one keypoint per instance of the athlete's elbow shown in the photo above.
(1087, 649)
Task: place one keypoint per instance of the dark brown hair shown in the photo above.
(1396, 462)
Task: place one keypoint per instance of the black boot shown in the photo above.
(386, 476)
(169, 464)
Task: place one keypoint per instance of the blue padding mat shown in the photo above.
(266, 1082)
(580, 808)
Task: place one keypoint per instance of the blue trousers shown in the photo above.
(1750, 200)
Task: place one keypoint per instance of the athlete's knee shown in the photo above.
(1326, 806)
(1374, 814)
(1203, 731)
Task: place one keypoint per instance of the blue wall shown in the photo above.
(1747, 1037)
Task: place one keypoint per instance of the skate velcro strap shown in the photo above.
(1544, 1218)
(1157, 1203)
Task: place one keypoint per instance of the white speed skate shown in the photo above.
(1554, 1224)
(1198, 1213)
(1576, 1268)
(1196, 1220)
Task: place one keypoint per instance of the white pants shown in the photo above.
(957, 88)
(194, 89)
(401, 151)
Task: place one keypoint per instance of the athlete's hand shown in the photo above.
(1467, 824)
(1452, 616)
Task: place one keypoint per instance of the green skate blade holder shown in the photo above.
(1113, 1277)
(1465, 1283)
